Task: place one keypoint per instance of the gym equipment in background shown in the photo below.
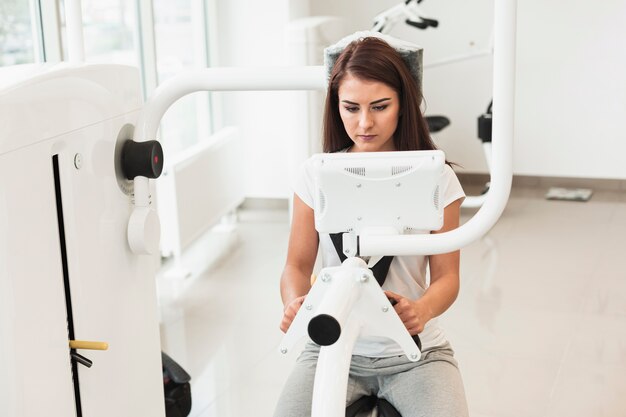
(412, 14)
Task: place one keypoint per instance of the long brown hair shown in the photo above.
(373, 59)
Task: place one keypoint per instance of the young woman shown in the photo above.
(373, 104)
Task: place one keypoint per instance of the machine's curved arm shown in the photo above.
(502, 156)
(224, 79)
(313, 78)
(143, 226)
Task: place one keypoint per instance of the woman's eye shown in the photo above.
(379, 108)
(352, 109)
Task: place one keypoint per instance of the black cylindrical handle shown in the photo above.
(431, 22)
(324, 329)
(419, 25)
(143, 159)
(81, 359)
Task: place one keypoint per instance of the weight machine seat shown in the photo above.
(368, 403)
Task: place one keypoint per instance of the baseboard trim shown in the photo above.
(258, 203)
(474, 183)
(527, 181)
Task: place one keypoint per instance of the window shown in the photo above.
(160, 37)
(109, 31)
(17, 36)
(181, 44)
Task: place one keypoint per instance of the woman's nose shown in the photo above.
(366, 120)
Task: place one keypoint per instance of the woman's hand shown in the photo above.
(291, 309)
(414, 314)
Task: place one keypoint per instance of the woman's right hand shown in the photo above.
(291, 309)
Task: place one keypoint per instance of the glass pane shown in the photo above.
(16, 33)
(174, 34)
(180, 45)
(108, 31)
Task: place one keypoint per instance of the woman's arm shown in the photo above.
(444, 282)
(295, 281)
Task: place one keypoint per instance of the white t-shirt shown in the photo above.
(407, 274)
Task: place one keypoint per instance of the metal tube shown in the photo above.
(313, 78)
(336, 306)
(218, 79)
(501, 161)
(331, 374)
(224, 79)
(209, 79)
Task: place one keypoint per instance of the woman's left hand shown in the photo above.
(414, 314)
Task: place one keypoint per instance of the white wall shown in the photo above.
(571, 88)
(571, 94)
(571, 91)
(251, 34)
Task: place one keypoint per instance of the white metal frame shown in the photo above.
(350, 294)
(305, 78)
(143, 224)
(313, 78)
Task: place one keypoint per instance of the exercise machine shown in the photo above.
(409, 11)
(347, 302)
(313, 78)
(66, 131)
(79, 324)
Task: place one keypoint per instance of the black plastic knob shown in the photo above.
(143, 159)
(324, 329)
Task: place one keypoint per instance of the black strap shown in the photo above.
(380, 269)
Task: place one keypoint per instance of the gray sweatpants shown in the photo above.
(429, 387)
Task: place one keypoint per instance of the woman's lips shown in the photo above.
(367, 137)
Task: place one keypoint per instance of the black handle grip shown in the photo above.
(423, 24)
(419, 25)
(415, 338)
(417, 341)
(431, 22)
(142, 159)
(324, 329)
(81, 359)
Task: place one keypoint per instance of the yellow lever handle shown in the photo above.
(83, 344)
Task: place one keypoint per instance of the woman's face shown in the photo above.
(369, 111)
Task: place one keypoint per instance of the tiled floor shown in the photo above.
(539, 327)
